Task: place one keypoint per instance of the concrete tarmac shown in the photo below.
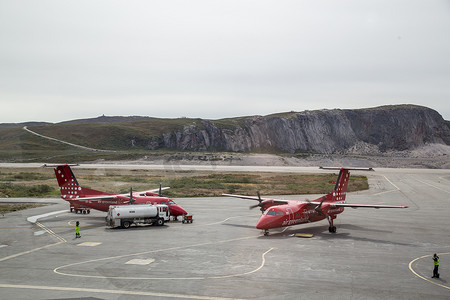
(375, 254)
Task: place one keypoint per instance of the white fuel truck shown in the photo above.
(125, 215)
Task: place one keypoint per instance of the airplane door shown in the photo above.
(291, 213)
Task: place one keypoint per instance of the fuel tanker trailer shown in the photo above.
(126, 215)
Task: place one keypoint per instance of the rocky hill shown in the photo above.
(380, 129)
(357, 131)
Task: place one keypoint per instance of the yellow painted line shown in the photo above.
(61, 241)
(116, 292)
(28, 252)
(426, 279)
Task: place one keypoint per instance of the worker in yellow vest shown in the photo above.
(436, 266)
(77, 230)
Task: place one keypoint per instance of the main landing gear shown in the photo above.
(332, 228)
(266, 232)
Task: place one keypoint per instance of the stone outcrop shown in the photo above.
(402, 127)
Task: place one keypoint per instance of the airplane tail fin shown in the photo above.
(340, 189)
(68, 184)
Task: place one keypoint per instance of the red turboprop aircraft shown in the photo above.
(79, 196)
(280, 213)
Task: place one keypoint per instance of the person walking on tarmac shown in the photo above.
(77, 230)
(436, 266)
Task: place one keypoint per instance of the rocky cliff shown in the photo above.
(402, 127)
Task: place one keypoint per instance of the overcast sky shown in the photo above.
(64, 60)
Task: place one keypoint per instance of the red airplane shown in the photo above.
(281, 213)
(79, 196)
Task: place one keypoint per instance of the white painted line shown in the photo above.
(34, 219)
(141, 262)
(114, 292)
(436, 187)
(40, 232)
(1, 246)
(89, 244)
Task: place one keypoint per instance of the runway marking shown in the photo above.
(56, 270)
(34, 219)
(396, 187)
(116, 292)
(141, 262)
(61, 241)
(223, 221)
(436, 187)
(89, 244)
(420, 276)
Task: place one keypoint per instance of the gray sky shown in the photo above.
(64, 60)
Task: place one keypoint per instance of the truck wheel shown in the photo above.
(126, 224)
(160, 222)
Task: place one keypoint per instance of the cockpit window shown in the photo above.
(274, 212)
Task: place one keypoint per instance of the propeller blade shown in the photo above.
(131, 196)
(253, 206)
(160, 190)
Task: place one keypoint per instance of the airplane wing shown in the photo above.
(245, 197)
(115, 196)
(365, 205)
(260, 199)
(143, 193)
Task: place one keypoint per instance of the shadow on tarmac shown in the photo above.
(322, 233)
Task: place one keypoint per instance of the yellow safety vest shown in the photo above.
(436, 261)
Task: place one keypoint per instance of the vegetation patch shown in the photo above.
(41, 182)
(10, 190)
(10, 207)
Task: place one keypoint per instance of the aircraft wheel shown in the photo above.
(332, 229)
(126, 224)
(89, 211)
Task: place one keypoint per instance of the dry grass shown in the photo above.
(184, 183)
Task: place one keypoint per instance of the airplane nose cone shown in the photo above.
(263, 223)
(176, 210)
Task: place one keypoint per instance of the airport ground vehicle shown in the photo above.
(187, 219)
(79, 209)
(126, 215)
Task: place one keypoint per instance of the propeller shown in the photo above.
(131, 196)
(160, 190)
(318, 208)
(259, 204)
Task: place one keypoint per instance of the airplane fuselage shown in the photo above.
(295, 213)
(103, 204)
